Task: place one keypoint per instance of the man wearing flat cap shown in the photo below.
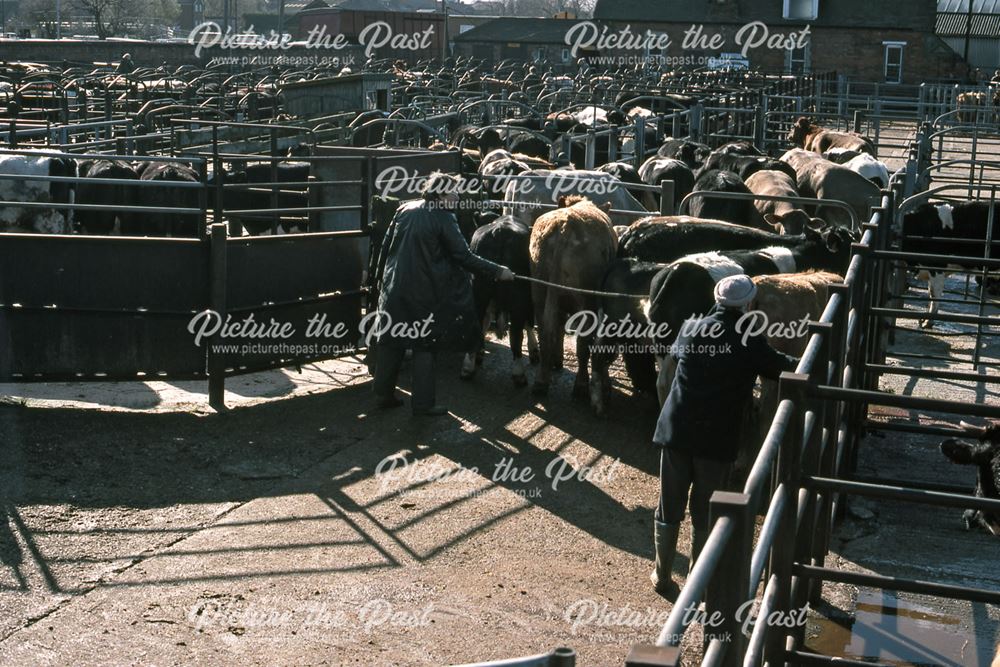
(700, 423)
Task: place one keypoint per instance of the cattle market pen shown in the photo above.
(807, 467)
(102, 317)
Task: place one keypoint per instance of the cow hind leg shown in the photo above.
(641, 369)
(473, 360)
(581, 387)
(600, 379)
(518, 360)
(533, 354)
(935, 290)
(550, 343)
(666, 377)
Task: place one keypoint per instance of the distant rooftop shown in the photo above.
(978, 6)
(954, 25)
(953, 17)
(519, 29)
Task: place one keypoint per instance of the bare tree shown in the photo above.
(113, 17)
(548, 8)
(40, 14)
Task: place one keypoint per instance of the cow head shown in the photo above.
(792, 222)
(829, 250)
(802, 129)
(489, 140)
(985, 455)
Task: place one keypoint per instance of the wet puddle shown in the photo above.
(897, 632)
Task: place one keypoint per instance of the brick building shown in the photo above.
(891, 41)
(517, 38)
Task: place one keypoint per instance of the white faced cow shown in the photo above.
(14, 188)
(962, 221)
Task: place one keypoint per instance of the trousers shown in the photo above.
(682, 474)
(388, 364)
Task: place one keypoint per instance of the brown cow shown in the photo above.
(967, 104)
(818, 177)
(805, 134)
(774, 183)
(570, 246)
(786, 299)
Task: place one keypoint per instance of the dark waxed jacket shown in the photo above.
(426, 262)
(713, 387)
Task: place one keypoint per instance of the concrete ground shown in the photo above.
(921, 542)
(139, 529)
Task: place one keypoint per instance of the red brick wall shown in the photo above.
(856, 53)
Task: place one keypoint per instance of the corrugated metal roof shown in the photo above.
(978, 6)
(954, 25)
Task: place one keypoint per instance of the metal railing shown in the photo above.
(805, 467)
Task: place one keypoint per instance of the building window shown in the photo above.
(894, 61)
(797, 61)
(538, 55)
(801, 10)
(565, 55)
(652, 54)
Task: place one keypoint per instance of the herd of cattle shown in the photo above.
(591, 236)
(971, 105)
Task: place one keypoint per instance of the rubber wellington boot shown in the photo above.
(665, 542)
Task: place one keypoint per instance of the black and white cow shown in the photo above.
(667, 238)
(738, 211)
(646, 249)
(684, 289)
(15, 188)
(110, 195)
(626, 173)
(985, 455)
(691, 153)
(624, 331)
(738, 148)
(745, 166)
(251, 198)
(166, 196)
(501, 162)
(962, 221)
(655, 170)
(509, 305)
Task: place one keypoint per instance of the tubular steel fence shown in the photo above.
(58, 329)
(806, 466)
(66, 295)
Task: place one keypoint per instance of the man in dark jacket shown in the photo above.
(699, 426)
(126, 66)
(425, 301)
